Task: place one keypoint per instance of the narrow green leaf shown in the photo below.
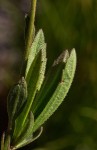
(51, 81)
(34, 79)
(13, 99)
(42, 68)
(60, 92)
(16, 99)
(30, 78)
(27, 132)
(28, 140)
(21, 119)
(37, 45)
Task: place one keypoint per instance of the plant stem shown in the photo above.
(5, 141)
(30, 28)
(2, 141)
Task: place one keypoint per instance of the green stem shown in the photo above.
(5, 141)
(30, 28)
(2, 141)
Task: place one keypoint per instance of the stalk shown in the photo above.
(29, 39)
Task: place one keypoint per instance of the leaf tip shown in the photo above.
(73, 53)
(41, 32)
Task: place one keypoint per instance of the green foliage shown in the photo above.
(38, 94)
(16, 99)
(55, 99)
(68, 24)
(34, 77)
(22, 107)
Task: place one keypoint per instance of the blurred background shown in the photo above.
(66, 24)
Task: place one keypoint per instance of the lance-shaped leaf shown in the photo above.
(59, 93)
(16, 99)
(51, 81)
(30, 78)
(37, 45)
(26, 133)
(29, 140)
(34, 79)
